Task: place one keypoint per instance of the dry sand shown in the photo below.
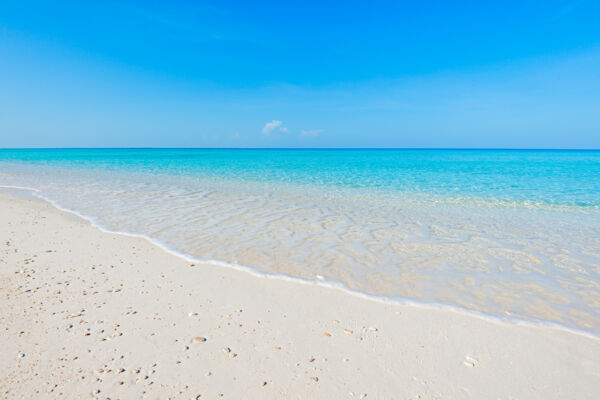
(86, 313)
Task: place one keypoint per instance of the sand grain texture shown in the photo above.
(87, 314)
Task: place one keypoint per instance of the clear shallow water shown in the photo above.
(507, 233)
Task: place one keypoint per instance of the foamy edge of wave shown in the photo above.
(318, 282)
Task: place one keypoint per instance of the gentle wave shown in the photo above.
(502, 233)
(335, 285)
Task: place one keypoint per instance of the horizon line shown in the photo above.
(303, 148)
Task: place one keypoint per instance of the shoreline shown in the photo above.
(325, 284)
(256, 330)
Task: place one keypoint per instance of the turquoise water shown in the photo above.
(565, 178)
(504, 232)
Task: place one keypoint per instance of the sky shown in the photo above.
(510, 74)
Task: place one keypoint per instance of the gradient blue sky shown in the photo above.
(315, 74)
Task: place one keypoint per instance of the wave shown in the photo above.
(331, 284)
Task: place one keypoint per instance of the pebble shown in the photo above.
(228, 352)
(348, 331)
(315, 379)
(263, 384)
(312, 359)
(470, 361)
(326, 334)
(199, 339)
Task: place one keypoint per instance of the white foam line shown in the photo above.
(326, 284)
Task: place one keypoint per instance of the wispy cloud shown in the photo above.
(311, 132)
(270, 127)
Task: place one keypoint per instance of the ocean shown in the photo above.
(511, 234)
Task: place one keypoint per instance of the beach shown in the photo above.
(233, 200)
(503, 233)
(90, 313)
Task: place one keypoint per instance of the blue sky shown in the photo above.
(340, 74)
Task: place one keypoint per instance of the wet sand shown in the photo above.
(87, 313)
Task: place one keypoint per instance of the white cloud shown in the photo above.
(271, 126)
(311, 132)
(283, 129)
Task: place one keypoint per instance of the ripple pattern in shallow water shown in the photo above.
(508, 256)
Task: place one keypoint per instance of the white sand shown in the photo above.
(77, 305)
